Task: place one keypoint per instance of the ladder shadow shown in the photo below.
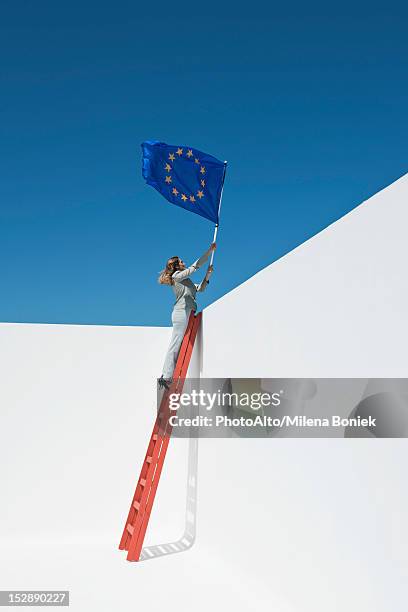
(188, 538)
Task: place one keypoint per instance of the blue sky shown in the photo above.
(307, 103)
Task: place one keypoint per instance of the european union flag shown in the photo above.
(185, 176)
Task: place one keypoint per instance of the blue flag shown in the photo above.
(185, 176)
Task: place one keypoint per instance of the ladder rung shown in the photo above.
(136, 505)
(142, 482)
(149, 459)
(155, 436)
(129, 528)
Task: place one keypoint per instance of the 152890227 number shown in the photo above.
(34, 598)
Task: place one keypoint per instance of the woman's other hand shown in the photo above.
(210, 270)
(213, 246)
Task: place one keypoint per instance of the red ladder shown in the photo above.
(142, 502)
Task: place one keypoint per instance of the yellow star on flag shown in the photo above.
(197, 161)
(172, 157)
(179, 151)
(189, 153)
(202, 170)
(183, 197)
(175, 192)
(167, 167)
(202, 183)
(168, 179)
(192, 199)
(200, 194)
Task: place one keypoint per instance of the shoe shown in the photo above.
(162, 382)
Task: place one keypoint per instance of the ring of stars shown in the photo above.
(191, 197)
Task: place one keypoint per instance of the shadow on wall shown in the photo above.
(188, 538)
(386, 400)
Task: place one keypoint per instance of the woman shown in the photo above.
(177, 275)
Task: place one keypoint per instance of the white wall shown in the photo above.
(77, 408)
(322, 522)
(336, 306)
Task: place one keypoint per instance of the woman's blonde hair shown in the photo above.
(165, 277)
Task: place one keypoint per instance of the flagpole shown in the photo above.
(219, 210)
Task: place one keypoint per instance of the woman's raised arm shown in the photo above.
(182, 274)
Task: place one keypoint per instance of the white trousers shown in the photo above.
(179, 318)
